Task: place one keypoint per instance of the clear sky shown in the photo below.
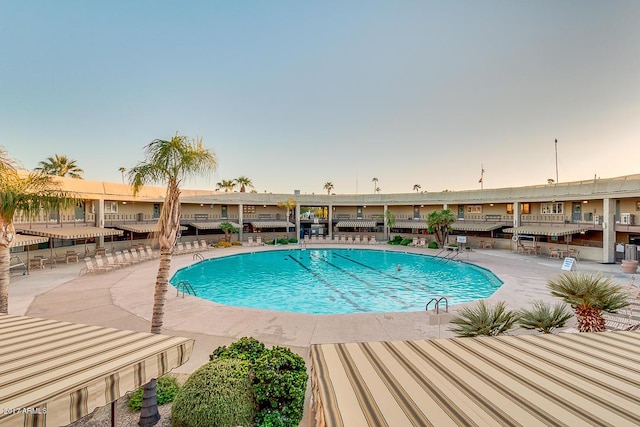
(294, 94)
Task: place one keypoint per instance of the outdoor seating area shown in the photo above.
(191, 247)
(118, 259)
(342, 239)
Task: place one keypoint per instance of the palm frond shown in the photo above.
(544, 317)
(482, 319)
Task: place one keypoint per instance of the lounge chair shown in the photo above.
(372, 240)
(100, 265)
(414, 242)
(112, 262)
(422, 242)
(365, 240)
(356, 240)
(250, 241)
(349, 240)
(258, 241)
(336, 239)
(16, 263)
(120, 259)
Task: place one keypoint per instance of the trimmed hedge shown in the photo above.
(432, 245)
(219, 394)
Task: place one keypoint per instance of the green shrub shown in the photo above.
(397, 238)
(405, 242)
(246, 348)
(280, 381)
(236, 243)
(223, 244)
(293, 240)
(283, 242)
(432, 245)
(217, 394)
(166, 390)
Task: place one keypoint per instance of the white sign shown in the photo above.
(461, 239)
(569, 264)
(619, 248)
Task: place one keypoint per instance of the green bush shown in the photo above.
(405, 242)
(395, 241)
(166, 390)
(293, 240)
(280, 381)
(217, 394)
(432, 245)
(246, 348)
(283, 242)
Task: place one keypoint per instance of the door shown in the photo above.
(156, 210)
(223, 211)
(359, 212)
(576, 212)
(416, 212)
(460, 212)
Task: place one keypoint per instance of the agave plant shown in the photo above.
(484, 320)
(544, 317)
(589, 295)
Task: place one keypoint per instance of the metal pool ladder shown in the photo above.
(437, 301)
(186, 287)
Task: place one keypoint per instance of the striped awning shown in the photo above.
(474, 226)
(69, 233)
(142, 227)
(546, 230)
(527, 380)
(356, 224)
(414, 225)
(24, 240)
(211, 225)
(272, 224)
(67, 369)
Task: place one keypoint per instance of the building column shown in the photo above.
(296, 211)
(330, 221)
(385, 236)
(516, 214)
(240, 222)
(98, 206)
(609, 231)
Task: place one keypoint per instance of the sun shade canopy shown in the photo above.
(546, 230)
(415, 225)
(63, 371)
(554, 379)
(272, 224)
(474, 226)
(211, 225)
(142, 227)
(356, 224)
(70, 233)
(24, 240)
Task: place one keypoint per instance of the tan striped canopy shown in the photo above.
(415, 225)
(67, 369)
(70, 233)
(356, 224)
(142, 227)
(546, 230)
(25, 240)
(474, 226)
(212, 225)
(272, 224)
(526, 380)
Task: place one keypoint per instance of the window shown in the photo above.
(110, 207)
(474, 209)
(525, 208)
(248, 209)
(552, 208)
(509, 208)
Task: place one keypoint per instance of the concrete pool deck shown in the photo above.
(123, 299)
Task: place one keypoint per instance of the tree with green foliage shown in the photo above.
(244, 182)
(482, 319)
(588, 295)
(60, 165)
(28, 193)
(228, 230)
(328, 186)
(439, 223)
(416, 187)
(226, 185)
(289, 204)
(544, 317)
(389, 220)
(170, 161)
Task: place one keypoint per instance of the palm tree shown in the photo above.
(171, 162)
(26, 193)
(226, 185)
(378, 190)
(484, 320)
(228, 229)
(328, 186)
(122, 171)
(243, 182)
(588, 295)
(288, 204)
(60, 165)
(439, 223)
(375, 184)
(416, 187)
(544, 317)
(390, 220)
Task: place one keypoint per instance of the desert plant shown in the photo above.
(280, 381)
(484, 320)
(217, 394)
(228, 230)
(439, 223)
(588, 295)
(223, 244)
(544, 317)
(167, 387)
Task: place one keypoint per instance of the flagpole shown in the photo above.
(481, 176)
(556, 161)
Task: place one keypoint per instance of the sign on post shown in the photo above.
(569, 264)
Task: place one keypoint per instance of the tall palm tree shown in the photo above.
(27, 193)
(226, 185)
(484, 320)
(439, 223)
(328, 186)
(60, 165)
(416, 187)
(588, 295)
(375, 184)
(122, 171)
(244, 182)
(167, 161)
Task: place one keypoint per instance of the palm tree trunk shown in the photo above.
(149, 414)
(5, 261)
(590, 319)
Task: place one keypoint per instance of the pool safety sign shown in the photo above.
(569, 264)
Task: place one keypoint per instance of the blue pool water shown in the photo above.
(336, 281)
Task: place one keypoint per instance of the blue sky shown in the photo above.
(294, 94)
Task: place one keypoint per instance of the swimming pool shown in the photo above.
(336, 281)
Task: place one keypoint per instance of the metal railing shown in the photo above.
(186, 287)
(437, 301)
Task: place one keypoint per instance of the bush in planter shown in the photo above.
(432, 245)
(166, 389)
(217, 394)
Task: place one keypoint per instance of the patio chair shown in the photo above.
(573, 253)
(422, 242)
(250, 241)
(129, 257)
(120, 258)
(365, 240)
(101, 266)
(151, 253)
(414, 242)
(372, 240)
(16, 263)
(356, 240)
(349, 240)
(112, 262)
(72, 256)
(259, 241)
(89, 268)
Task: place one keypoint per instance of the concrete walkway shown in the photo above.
(123, 299)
